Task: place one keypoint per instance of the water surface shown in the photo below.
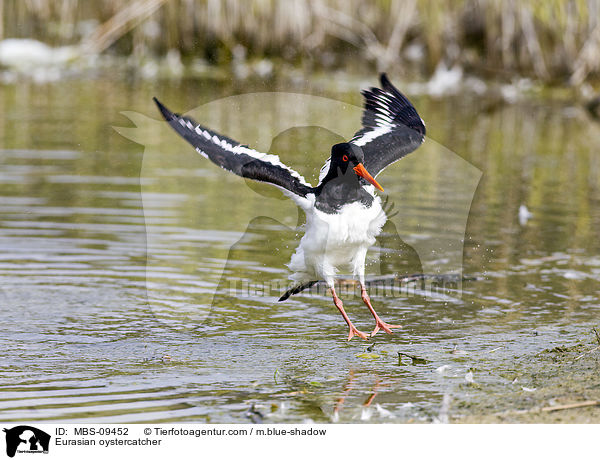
(116, 264)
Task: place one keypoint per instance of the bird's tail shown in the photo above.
(297, 289)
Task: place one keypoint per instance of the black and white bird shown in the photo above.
(343, 213)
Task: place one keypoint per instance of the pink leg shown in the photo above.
(379, 323)
(340, 306)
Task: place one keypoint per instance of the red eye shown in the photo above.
(345, 158)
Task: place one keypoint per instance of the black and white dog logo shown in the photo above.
(26, 439)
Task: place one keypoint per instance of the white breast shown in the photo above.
(336, 242)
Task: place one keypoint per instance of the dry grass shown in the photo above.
(552, 40)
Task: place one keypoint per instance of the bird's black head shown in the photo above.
(346, 155)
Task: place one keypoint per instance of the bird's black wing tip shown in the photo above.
(414, 121)
(166, 113)
(387, 85)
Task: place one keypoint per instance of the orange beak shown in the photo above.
(362, 172)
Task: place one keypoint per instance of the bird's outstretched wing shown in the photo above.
(235, 157)
(392, 128)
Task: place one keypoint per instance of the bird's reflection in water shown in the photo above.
(346, 392)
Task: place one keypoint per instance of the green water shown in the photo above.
(117, 261)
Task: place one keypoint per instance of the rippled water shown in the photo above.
(133, 276)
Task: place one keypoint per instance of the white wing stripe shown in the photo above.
(324, 170)
(371, 135)
(202, 153)
(240, 149)
(383, 119)
(272, 159)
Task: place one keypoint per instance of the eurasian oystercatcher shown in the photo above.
(343, 213)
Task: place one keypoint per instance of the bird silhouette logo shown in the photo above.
(436, 178)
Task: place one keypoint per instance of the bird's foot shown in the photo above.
(353, 331)
(382, 325)
(340, 306)
(379, 324)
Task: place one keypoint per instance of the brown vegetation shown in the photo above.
(554, 40)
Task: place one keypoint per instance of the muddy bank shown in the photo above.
(562, 387)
